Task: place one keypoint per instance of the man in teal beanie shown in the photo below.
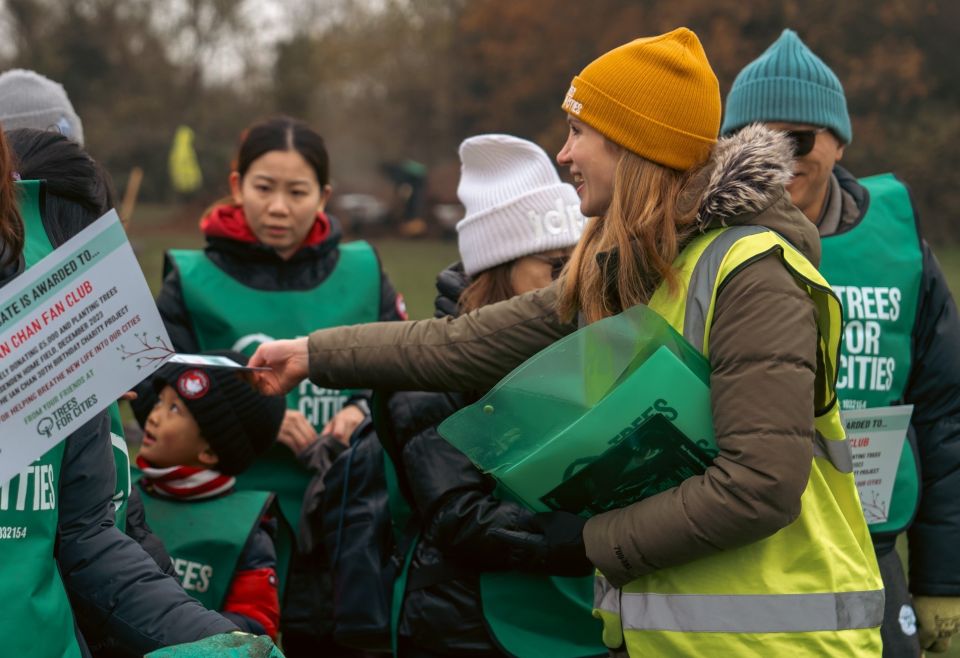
(901, 339)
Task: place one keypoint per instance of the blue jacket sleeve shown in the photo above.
(934, 390)
(112, 582)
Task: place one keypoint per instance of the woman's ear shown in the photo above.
(325, 192)
(235, 187)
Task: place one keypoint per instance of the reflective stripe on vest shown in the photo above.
(752, 613)
(764, 586)
(704, 280)
(837, 452)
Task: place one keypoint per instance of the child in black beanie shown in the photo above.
(207, 426)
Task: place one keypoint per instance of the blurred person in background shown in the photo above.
(520, 228)
(274, 267)
(902, 342)
(31, 100)
(767, 552)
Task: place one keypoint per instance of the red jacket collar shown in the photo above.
(228, 221)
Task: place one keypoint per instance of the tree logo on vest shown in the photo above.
(193, 384)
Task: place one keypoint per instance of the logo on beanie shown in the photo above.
(564, 219)
(193, 384)
(570, 104)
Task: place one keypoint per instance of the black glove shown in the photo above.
(450, 283)
(552, 543)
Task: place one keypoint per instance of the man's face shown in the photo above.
(811, 176)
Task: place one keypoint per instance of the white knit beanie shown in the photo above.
(30, 100)
(515, 203)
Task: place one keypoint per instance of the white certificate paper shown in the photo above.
(77, 330)
(876, 439)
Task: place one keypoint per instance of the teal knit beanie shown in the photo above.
(788, 83)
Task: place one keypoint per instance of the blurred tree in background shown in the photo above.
(393, 79)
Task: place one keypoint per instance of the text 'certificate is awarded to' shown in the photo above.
(77, 330)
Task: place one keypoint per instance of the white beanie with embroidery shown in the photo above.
(30, 100)
(515, 203)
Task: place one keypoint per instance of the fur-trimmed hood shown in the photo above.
(744, 185)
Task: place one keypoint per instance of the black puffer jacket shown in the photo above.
(460, 520)
(933, 387)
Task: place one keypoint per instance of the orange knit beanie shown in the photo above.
(655, 96)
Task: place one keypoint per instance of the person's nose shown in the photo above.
(563, 157)
(278, 205)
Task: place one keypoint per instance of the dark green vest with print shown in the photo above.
(876, 269)
(226, 314)
(37, 619)
(206, 538)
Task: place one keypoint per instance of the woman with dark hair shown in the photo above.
(74, 180)
(70, 558)
(273, 268)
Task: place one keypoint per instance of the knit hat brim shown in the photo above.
(788, 83)
(541, 220)
(787, 100)
(236, 420)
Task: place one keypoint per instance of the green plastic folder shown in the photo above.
(616, 412)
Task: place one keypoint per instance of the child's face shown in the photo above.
(172, 437)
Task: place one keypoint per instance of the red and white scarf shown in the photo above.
(185, 482)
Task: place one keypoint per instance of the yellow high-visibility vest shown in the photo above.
(811, 589)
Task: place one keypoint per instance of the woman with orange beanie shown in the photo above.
(767, 552)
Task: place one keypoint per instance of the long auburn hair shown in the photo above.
(625, 255)
(488, 287)
(11, 226)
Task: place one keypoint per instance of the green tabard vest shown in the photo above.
(36, 246)
(532, 615)
(206, 538)
(876, 268)
(227, 314)
(37, 620)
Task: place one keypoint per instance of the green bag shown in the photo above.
(611, 414)
(226, 645)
